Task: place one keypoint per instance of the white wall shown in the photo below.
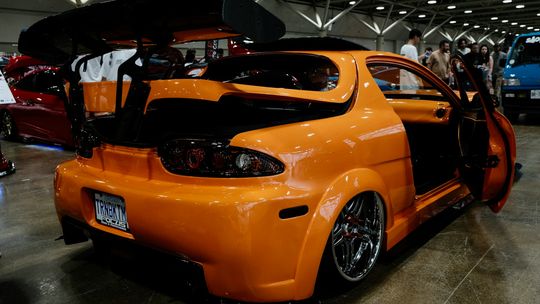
(11, 25)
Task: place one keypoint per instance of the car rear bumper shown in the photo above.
(191, 273)
(520, 101)
(246, 250)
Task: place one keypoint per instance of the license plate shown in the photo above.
(110, 210)
(535, 94)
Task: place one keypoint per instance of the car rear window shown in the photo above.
(289, 71)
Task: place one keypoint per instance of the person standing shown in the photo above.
(439, 61)
(473, 58)
(499, 61)
(474, 62)
(409, 49)
(424, 58)
(462, 48)
(487, 66)
(407, 80)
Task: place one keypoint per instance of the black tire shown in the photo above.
(355, 242)
(513, 117)
(8, 129)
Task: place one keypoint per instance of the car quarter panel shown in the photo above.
(366, 149)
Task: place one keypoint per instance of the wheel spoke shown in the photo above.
(347, 255)
(359, 253)
(360, 203)
(337, 235)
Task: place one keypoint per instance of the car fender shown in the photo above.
(342, 190)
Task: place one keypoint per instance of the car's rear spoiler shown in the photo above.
(102, 27)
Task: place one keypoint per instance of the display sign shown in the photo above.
(6, 96)
(533, 39)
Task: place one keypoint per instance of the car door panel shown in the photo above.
(421, 111)
(487, 140)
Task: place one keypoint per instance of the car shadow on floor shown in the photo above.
(14, 292)
(390, 261)
(142, 271)
(528, 120)
(169, 277)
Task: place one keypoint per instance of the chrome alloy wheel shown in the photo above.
(357, 236)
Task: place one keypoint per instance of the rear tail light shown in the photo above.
(216, 159)
(86, 142)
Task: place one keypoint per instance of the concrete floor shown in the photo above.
(467, 256)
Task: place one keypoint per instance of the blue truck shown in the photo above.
(521, 79)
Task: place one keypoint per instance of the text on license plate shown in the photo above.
(110, 210)
(535, 94)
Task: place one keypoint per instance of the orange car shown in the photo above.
(269, 166)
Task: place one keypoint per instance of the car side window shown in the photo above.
(27, 83)
(397, 82)
(289, 71)
(48, 82)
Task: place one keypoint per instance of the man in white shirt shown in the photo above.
(409, 50)
(407, 80)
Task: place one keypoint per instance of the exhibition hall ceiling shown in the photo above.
(35, 6)
(511, 16)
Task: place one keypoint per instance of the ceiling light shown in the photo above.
(402, 12)
(422, 16)
(476, 26)
(467, 11)
(379, 8)
(514, 23)
(504, 32)
(431, 2)
(530, 28)
(523, 25)
(352, 2)
(496, 30)
(520, 6)
(465, 24)
(507, 1)
(517, 34)
(536, 30)
(494, 18)
(451, 7)
(486, 28)
(538, 14)
(453, 21)
(504, 21)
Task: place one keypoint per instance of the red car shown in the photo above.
(39, 111)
